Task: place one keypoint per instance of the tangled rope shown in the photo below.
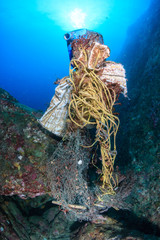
(92, 103)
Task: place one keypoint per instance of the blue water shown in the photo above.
(33, 52)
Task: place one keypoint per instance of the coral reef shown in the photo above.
(25, 149)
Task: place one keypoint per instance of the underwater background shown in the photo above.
(33, 51)
(33, 55)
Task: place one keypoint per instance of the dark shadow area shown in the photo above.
(132, 222)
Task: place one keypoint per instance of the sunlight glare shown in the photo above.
(77, 17)
(74, 14)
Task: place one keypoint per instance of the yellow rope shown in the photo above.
(92, 103)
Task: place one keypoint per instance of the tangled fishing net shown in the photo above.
(92, 103)
(67, 173)
(88, 95)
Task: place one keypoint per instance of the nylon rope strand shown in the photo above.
(92, 103)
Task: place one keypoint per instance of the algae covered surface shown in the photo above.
(25, 150)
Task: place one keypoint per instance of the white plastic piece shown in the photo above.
(54, 119)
